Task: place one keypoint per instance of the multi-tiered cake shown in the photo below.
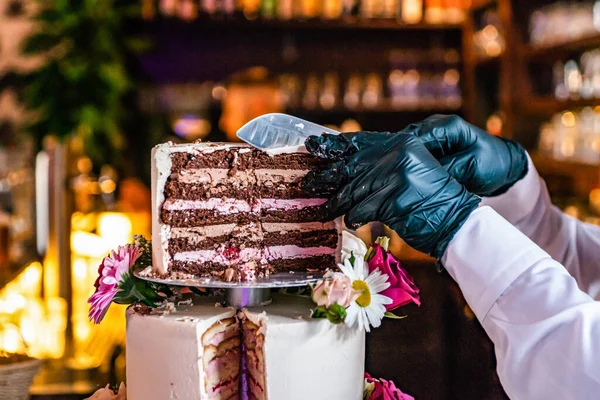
(235, 212)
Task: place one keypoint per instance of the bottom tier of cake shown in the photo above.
(277, 352)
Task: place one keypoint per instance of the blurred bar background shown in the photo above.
(88, 87)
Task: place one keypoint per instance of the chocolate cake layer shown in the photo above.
(306, 214)
(244, 158)
(206, 269)
(328, 238)
(318, 263)
(190, 244)
(191, 218)
(302, 239)
(188, 191)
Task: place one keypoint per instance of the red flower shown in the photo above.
(380, 389)
(402, 288)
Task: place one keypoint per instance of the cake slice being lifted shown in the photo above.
(235, 212)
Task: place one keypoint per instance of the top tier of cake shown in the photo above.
(232, 211)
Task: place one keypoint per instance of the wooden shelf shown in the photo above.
(583, 177)
(559, 50)
(481, 60)
(545, 107)
(352, 23)
(382, 109)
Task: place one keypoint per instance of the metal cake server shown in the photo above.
(272, 131)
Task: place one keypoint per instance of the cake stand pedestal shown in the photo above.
(244, 294)
(247, 297)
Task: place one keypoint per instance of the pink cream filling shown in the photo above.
(268, 253)
(233, 206)
(222, 336)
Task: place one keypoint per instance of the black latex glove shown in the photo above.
(486, 164)
(391, 178)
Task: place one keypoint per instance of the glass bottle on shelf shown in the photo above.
(373, 93)
(411, 11)
(560, 87)
(352, 92)
(309, 8)
(329, 95)
(434, 11)
(285, 9)
(546, 139)
(250, 8)
(453, 11)
(268, 8)
(572, 79)
(586, 151)
(310, 99)
(370, 8)
(348, 8)
(389, 9)
(333, 9)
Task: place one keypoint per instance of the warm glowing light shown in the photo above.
(11, 340)
(80, 269)
(595, 197)
(108, 186)
(451, 77)
(88, 244)
(490, 32)
(32, 275)
(114, 228)
(568, 119)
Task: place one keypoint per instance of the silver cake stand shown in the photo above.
(244, 294)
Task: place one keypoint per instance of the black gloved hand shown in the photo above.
(391, 178)
(486, 164)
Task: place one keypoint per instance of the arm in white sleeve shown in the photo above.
(574, 244)
(545, 330)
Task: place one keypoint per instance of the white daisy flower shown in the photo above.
(369, 307)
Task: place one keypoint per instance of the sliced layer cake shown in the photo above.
(278, 352)
(232, 211)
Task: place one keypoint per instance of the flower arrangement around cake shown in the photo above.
(369, 287)
(370, 284)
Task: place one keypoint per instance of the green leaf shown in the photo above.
(391, 315)
(319, 312)
(40, 43)
(338, 310)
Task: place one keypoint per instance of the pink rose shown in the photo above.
(335, 287)
(109, 275)
(402, 288)
(380, 389)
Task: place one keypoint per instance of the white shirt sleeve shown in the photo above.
(574, 244)
(545, 330)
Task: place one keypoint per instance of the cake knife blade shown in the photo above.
(273, 131)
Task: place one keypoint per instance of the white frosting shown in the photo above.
(309, 358)
(247, 254)
(304, 358)
(286, 150)
(164, 352)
